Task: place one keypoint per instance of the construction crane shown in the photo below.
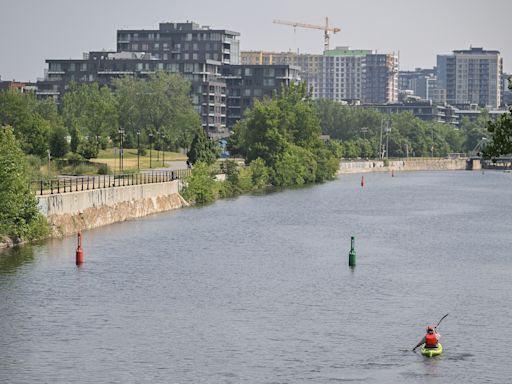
(325, 28)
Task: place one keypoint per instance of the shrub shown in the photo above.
(104, 169)
(201, 186)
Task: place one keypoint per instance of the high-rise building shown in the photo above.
(199, 53)
(380, 78)
(339, 74)
(472, 77)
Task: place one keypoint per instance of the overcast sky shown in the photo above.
(34, 30)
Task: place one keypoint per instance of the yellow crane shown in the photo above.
(325, 28)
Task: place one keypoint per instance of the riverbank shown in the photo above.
(69, 213)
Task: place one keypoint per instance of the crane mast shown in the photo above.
(327, 30)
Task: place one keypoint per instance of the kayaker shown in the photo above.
(431, 339)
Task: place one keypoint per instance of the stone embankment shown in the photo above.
(69, 213)
(403, 165)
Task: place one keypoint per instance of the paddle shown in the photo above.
(442, 318)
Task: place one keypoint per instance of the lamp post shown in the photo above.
(138, 149)
(432, 147)
(121, 131)
(388, 130)
(163, 150)
(49, 165)
(150, 158)
(159, 134)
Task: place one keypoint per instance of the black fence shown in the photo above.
(85, 183)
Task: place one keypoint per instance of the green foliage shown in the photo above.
(88, 149)
(501, 131)
(19, 110)
(203, 149)
(104, 169)
(90, 111)
(259, 173)
(59, 146)
(361, 131)
(159, 105)
(284, 132)
(201, 186)
(19, 216)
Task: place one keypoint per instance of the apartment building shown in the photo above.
(338, 74)
(380, 79)
(473, 77)
(199, 53)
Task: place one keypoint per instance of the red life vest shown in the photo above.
(430, 340)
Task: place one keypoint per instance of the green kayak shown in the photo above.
(430, 352)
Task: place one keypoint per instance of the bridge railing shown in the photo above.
(65, 184)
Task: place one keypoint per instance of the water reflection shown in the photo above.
(14, 258)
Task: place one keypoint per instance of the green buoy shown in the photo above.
(352, 253)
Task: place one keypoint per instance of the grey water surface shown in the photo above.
(257, 289)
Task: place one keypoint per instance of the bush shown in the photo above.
(201, 186)
(259, 173)
(104, 169)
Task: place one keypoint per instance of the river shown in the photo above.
(257, 289)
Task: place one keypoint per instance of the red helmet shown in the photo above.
(429, 328)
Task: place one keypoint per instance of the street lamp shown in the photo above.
(432, 148)
(163, 150)
(150, 158)
(388, 130)
(138, 149)
(121, 131)
(159, 134)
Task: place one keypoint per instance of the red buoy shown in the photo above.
(362, 181)
(79, 251)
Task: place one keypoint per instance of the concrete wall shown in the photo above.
(403, 165)
(69, 213)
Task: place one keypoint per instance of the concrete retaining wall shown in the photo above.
(69, 213)
(403, 165)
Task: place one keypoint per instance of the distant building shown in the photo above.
(423, 109)
(17, 85)
(248, 82)
(380, 79)
(472, 77)
(199, 53)
(341, 74)
(506, 98)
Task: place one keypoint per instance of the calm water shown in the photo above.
(257, 289)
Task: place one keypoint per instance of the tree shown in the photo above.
(501, 131)
(159, 105)
(201, 186)
(19, 216)
(91, 111)
(19, 110)
(203, 149)
(284, 132)
(59, 146)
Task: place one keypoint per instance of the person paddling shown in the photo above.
(431, 339)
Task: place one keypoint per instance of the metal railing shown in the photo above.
(84, 183)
